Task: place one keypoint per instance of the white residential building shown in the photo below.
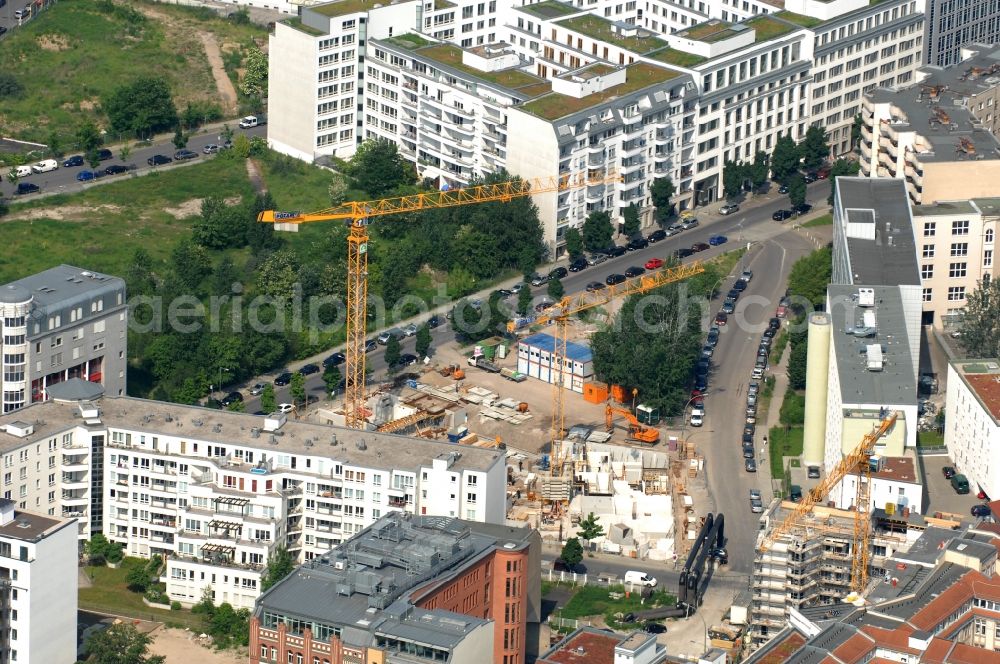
(216, 492)
(38, 580)
(972, 422)
(896, 486)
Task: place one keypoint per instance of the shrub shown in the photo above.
(175, 605)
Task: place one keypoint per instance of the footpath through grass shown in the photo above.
(109, 594)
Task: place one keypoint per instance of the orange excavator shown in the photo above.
(636, 429)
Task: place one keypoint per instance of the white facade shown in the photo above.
(38, 587)
(215, 493)
(972, 422)
(884, 491)
(536, 359)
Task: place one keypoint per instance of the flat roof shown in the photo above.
(31, 527)
(710, 31)
(940, 579)
(59, 286)
(767, 27)
(890, 259)
(902, 469)
(637, 77)
(381, 450)
(983, 379)
(547, 342)
(970, 547)
(942, 208)
(604, 30)
(586, 645)
(988, 206)
(672, 56)
(344, 7)
(895, 384)
(516, 80)
(549, 9)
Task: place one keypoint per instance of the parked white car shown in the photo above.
(285, 407)
(45, 166)
(697, 419)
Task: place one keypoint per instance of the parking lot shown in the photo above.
(939, 496)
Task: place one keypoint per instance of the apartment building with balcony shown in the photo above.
(38, 579)
(215, 493)
(63, 323)
(939, 135)
(954, 24)
(408, 588)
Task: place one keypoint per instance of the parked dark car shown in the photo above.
(683, 252)
(740, 285)
(86, 176)
(802, 208)
(26, 188)
(558, 273)
(948, 472)
(637, 243)
(334, 360)
(721, 318)
(980, 510)
(657, 235)
(595, 286)
(615, 251)
(750, 465)
(716, 240)
(183, 155)
(232, 397)
(615, 279)
(308, 369)
(634, 271)
(578, 265)
(783, 189)
(433, 321)
(654, 628)
(283, 379)
(699, 246)
(75, 160)
(104, 154)
(781, 215)
(813, 472)
(406, 359)
(159, 160)
(809, 178)
(370, 345)
(115, 169)
(733, 294)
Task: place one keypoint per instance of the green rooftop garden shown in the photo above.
(799, 19)
(443, 4)
(672, 56)
(514, 79)
(768, 28)
(343, 7)
(604, 30)
(710, 31)
(302, 27)
(410, 41)
(600, 68)
(637, 77)
(550, 9)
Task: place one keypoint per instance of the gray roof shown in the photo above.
(943, 208)
(75, 389)
(380, 450)
(943, 577)
(817, 648)
(927, 548)
(970, 547)
(59, 286)
(364, 585)
(895, 384)
(14, 294)
(31, 527)
(891, 258)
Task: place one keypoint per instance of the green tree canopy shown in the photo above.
(142, 107)
(981, 324)
(814, 148)
(590, 528)
(392, 351)
(796, 190)
(556, 290)
(524, 298)
(254, 83)
(88, 136)
(279, 565)
(268, 401)
(331, 378)
(810, 276)
(732, 179)
(120, 643)
(632, 223)
(377, 168)
(422, 343)
(574, 243)
(661, 191)
(757, 171)
(297, 388)
(784, 159)
(572, 552)
(597, 230)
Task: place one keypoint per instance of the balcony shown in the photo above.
(866, 150)
(218, 556)
(75, 465)
(70, 499)
(75, 482)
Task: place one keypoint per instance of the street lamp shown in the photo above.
(221, 369)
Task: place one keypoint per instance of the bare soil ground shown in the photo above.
(65, 212)
(182, 647)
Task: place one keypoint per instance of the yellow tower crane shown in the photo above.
(560, 313)
(858, 460)
(357, 214)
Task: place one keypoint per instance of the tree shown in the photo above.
(279, 565)
(732, 179)
(142, 107)
(841, 167)
(137, 578)
(120, 643)
(337, 189)
(88, 137)
(224, 276)
(572, 552)
(55, 144)
(784, 159)
(797, 356)
(980, 325)
(630, 216)
(597, 230)
(13, 177)
(124, 152)
(254, 83)
(810, 276)
(268, 402)
(392, 351)
(574, 243)
(796, 190)
(814, 148)
(661, 191)
(93, 158)
(139, 275)
(524, 298)
(236, 407)
(241, 146)
(221, 226)
(377, 168)
(590, 529)
(556, 290)
(757, 171)
(856, 126)
(423, 340)
(331, 379)
(278, 274)
(297, 388)
(191, 264)
(180, 139)
(10, 87)
(227, 134)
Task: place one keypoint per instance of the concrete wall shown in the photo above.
(881, 492)
(291, 99)
(47, 599)
(533, 152)
(960, 180)
(971, 436)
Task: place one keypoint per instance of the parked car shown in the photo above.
(309, 369)
(159, 160)
(756, 505)
(802, 208)
(750, 465)
(45, 165)
(781, 215)
(578, 265)
(257, 389)
(104, 154)
(594, 286)
(654, 628)
(75, 160)
(716, 240)
(558, 273)
(406, 359)
(746, 275)
(370, 345)
(980, 510)
(809, 178)
(410, 330)
(683, 252)
(783, 189)
(615, 250)
(26, 188)
(960, 483)
(597, 259)
(674, 229)
(634, 271)
(698, 246)
(948, 472)
(728, 307)
(734, 294)
(249, 121)
(657, 235)
(232, 397)
(285, 407)
(713, 337)
(812, 472)
(688, 220)
(615, 279)
(383, 338)
(739, 285)
(211, 148)
(334, 360)
(729, 208)
(757, 373)
(283, 379)
(637, 243)
(721, 318)
(86, 176)
(654, 263)
(697, 420)
(435, 320)
(781, 311)
(115, 169)
(184, 155)
(538, 280)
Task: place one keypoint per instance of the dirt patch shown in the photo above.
(192, 208)
(53, 43)
(225, 86)
(88, 104)
(178, 645)
(62, 213)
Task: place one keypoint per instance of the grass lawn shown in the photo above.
(109, 594)
(825, 220)
(68, 57)
(780, 342)
(101, 228)
(783, 443)
(596, 600)
(930, 439)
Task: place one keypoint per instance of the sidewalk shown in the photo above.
(780, 374)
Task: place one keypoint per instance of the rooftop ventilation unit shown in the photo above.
(866, 297)
(874, 357)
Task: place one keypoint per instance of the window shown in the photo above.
(988, 258)
(956, 293)
(927, 295)
(960, 227)
(989, 236)
(930, 229)
(959, 248)
(470, 498)
(957, 270)
(928, 251)
(926, 271)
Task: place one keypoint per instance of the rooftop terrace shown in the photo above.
(550, 9)
(605, 30)
(672, 56)
(710, 31)
(767, 28)
(512, 79)
(344, 7)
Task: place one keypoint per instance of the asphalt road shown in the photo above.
(63, 180)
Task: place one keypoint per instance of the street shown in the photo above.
(63, 180)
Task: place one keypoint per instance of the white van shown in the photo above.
(45, 166)
(248, 121)
(21, 171)
(640, 579)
